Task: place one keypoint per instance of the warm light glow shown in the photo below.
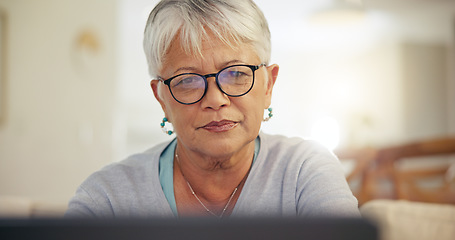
(326, 130)
(339, 17)
(340, 13)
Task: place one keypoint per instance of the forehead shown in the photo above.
(213, 54)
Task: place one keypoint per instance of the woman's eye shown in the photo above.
(236, 74)
(187, 81)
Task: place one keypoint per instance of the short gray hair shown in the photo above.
(232, 21)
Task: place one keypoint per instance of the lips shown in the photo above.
(220, 126)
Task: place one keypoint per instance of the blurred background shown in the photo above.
(75, 95)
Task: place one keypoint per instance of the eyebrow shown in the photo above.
(194, 69)
(232, 62)
(185, 69)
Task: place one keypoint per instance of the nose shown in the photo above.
(214, 98)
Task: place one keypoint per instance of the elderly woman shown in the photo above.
(209, 60)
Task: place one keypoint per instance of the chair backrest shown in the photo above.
(432, 182)
(382, 175)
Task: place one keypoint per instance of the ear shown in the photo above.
(272, 73)
(155, 88)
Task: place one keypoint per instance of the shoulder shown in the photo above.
(312, 175)
(123, 188)
(295, 157)
(298, 157)
(289, 147)
(135, 167)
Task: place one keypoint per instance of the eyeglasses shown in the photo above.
(234, 81)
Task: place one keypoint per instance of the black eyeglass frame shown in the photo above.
(215, 75)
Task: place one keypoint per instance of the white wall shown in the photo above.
(356, 73)
(141, 113)
(60, 96)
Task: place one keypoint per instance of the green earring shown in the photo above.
(270, 115)
(163, 127)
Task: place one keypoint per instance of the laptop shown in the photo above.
(188, 229)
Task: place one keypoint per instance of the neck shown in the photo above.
(214, 179)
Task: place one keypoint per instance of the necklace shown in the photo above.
(199, 200)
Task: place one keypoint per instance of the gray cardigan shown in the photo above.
(290, 177)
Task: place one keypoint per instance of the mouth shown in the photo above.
(220, 126)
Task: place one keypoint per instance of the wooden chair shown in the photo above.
(381, 176)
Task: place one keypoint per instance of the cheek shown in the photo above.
(170, 107)
(258, 95)
(258, 100)
(182, 117)
(253, 109)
